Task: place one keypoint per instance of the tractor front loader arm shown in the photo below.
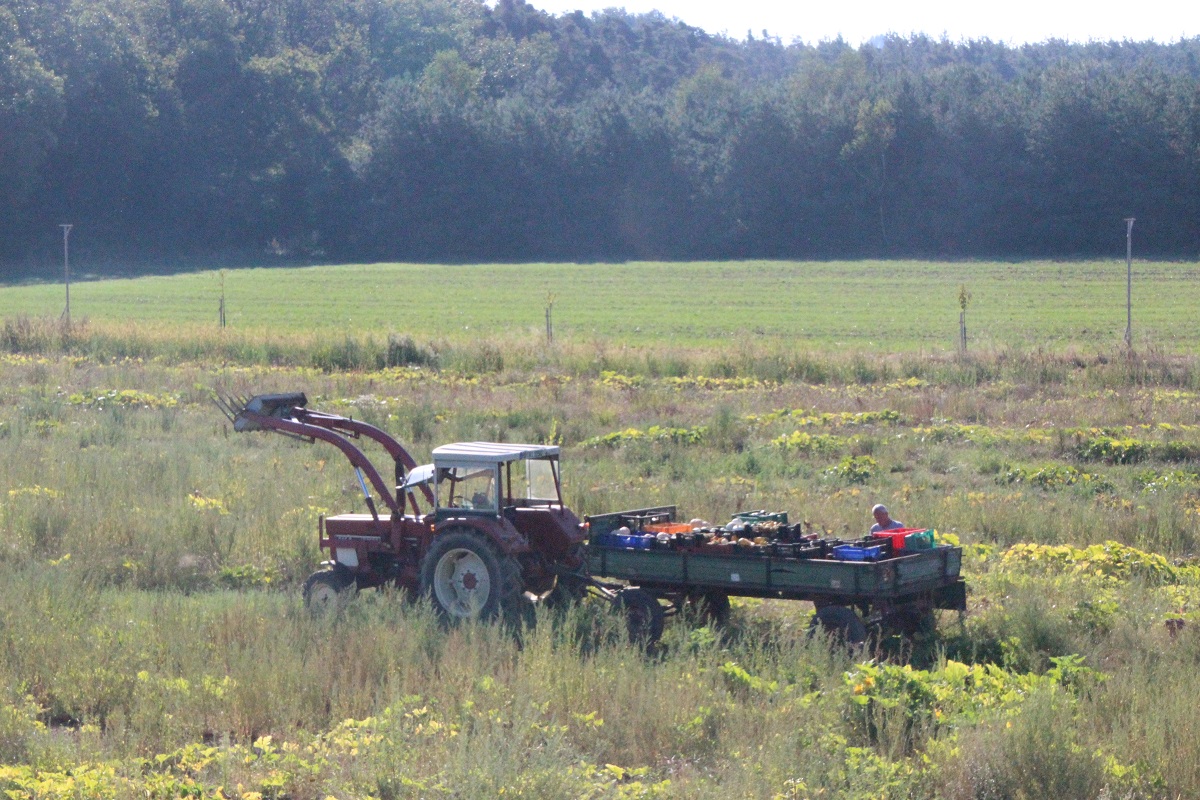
(286, 414)
(404, 461)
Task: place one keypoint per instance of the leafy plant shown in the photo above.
(855, 469)
(1056, 476)
(655, 433)
(803, 442)
(1111, 560)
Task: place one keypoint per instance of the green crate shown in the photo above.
(921, 540)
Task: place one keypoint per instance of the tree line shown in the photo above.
(177, 133)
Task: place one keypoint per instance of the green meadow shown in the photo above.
(889, 306)
(153, 642)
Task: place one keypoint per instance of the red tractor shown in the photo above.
(480, 531)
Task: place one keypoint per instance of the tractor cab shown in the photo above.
(513, 492)
(492, 480)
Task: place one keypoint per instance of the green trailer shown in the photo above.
(896, 594)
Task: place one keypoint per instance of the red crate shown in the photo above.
(896, 535)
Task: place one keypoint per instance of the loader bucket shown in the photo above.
(265, 405)
(271, 405)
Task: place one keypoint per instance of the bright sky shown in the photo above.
(857, 21)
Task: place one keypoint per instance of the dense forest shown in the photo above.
(177, 133)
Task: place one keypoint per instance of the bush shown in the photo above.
(402, 351)
(1056, 476)
(801, 442)
(855, 469)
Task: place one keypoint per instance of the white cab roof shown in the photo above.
(491, 452)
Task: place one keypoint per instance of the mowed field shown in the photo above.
(892, 306)
(153, 642)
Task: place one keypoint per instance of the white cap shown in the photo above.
(879, 507)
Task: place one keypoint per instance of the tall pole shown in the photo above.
(1129, 281)
(66, 229)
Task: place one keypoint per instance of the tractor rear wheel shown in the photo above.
(327, 590)
(466, 578)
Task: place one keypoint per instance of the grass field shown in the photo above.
(153, 644)
(892, 306)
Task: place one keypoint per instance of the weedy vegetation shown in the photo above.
(153, 643)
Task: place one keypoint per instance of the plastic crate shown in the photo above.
(851, 552)
(753, 517)
(797, 550)
(897, 536)
(636, 541)
(638, 522)
(921, 540)
(603, 540)
(668, 527)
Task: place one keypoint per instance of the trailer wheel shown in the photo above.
(712, 607)
(327, 590)
(910, 621)
(840, 624)
(465, 578)
(643, 615)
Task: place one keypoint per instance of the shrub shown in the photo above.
(1152, 482)
(1056, 476)
(402, 351)
(801, 442)
(1111, 560)
(1128, 450)
(1113, 450)
(855, 469)
(655, 433)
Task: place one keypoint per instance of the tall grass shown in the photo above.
(126, 466)
(768, 360)
(383, 700)
(148, 597)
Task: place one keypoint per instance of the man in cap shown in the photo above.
(883, 520)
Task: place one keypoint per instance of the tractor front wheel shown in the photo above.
(327, 590)
(466, 578)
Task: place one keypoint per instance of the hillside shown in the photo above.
(179, 133)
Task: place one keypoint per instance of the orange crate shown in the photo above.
(668, 527)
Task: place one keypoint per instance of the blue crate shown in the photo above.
(851, 552)
(604, 540)
(636, 541)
